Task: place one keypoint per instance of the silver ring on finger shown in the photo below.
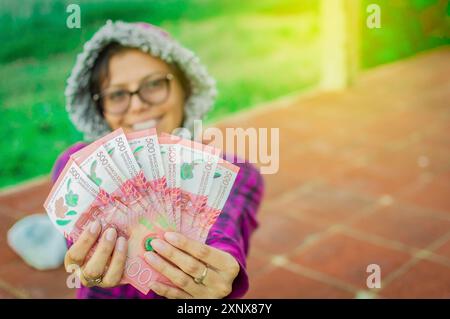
(92, 281)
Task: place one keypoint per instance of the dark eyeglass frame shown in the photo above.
(168, 77)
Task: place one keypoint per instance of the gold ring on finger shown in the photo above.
(199, 280)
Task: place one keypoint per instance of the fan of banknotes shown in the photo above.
(142, 184)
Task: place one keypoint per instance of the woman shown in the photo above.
(135, 76)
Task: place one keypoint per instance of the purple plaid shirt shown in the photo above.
(230, 233)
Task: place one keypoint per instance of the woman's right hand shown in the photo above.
(96, 271)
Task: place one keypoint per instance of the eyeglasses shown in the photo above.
(151, 91)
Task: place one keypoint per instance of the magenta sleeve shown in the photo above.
(236, 223)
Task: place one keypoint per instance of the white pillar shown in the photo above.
(340, 32)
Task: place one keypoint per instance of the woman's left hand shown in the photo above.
(190, 259)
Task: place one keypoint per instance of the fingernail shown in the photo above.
(151, 257)
(111, 234)
(172, 237)
(95, 226)
(153, 286)
(121, 242)
(159, 244)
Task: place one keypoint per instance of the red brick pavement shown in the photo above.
(364, 179)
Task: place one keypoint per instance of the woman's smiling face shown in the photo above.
(127, 71)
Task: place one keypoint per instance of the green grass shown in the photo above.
(407, 27)
(257, 50)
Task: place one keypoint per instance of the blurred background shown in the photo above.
(364, 117)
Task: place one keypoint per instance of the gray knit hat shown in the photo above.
(150, 39)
